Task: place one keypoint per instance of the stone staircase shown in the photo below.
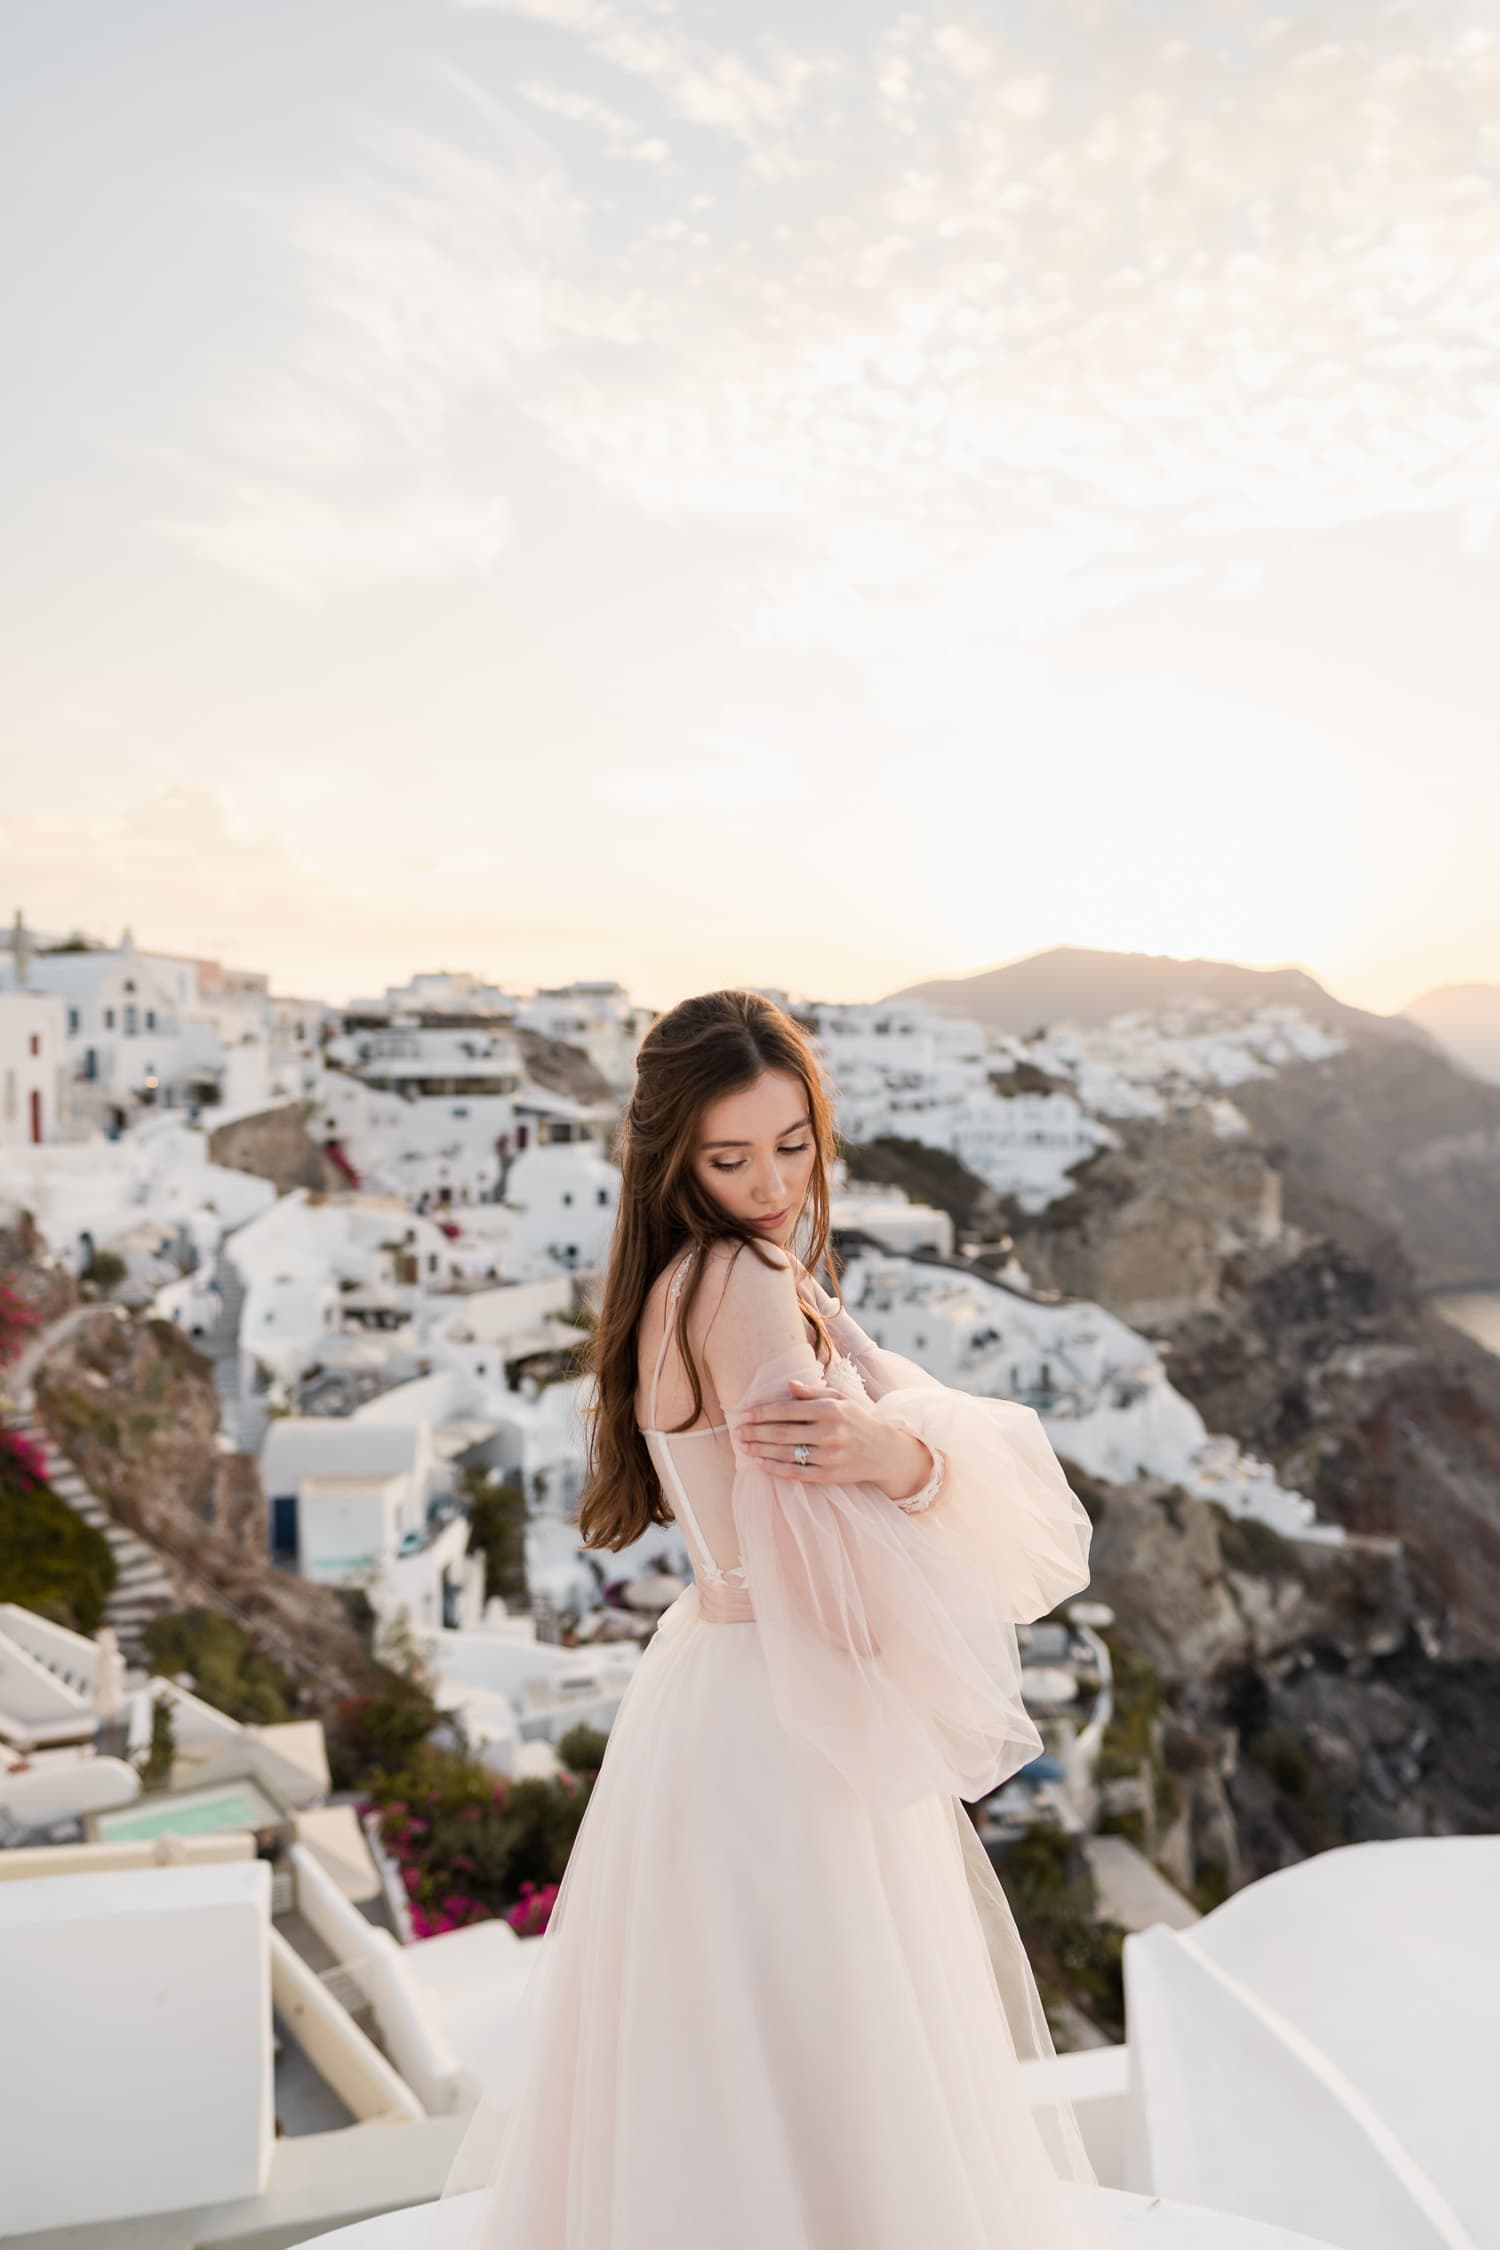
(142, 1588)
(242, 1417)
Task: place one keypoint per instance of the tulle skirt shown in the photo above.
(765, 2015)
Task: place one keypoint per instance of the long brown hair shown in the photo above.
(714, 1044)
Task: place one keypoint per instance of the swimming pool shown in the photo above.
(196, 1812)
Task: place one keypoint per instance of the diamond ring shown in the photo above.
(802, 1454)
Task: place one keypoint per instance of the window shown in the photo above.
(131, 1019)
(604, 1195)
(109, 1019)
(150, 1019)
(36, 1042)
(567, 1195)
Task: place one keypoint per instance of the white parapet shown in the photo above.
(136, 2056)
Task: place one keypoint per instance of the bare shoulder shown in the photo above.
(747, 1274)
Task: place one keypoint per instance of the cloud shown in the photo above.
(622, 135)
(757, 104)
(308, 550)
(976, 338)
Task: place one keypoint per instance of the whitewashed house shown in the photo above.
(306, 1256)
(567, 1192)
(439, 1107)
(596, 1015)
(89, 1193)
(368, 1504)
(121, 1029)
(34, 1070)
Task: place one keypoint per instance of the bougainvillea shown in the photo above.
(17, 1318)
(471, 1846)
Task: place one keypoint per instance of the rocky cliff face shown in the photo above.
(1150, 1226)
(1302, 1705)
(1391, 1136)
(275, 1145)
(27, 1270)
(134, 1406)
(1311, 1696)
(1314, 1350)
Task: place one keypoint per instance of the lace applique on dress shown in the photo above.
(917, 1501)
(735, 1575)
(845, 1375)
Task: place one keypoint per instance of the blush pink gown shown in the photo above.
(781, 2003)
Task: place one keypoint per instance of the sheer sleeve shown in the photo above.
(889, 1637)
(880, 1370)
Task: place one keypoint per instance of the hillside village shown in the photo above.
(292, 1299)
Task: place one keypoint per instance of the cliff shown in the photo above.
(134, 1406)
(1296, 1699)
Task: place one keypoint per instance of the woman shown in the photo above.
(781, 1997)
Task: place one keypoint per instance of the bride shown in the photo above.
(781, 2003)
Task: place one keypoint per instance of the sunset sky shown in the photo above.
(821, 495)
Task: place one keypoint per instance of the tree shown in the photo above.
(51, 1561)
(226, 1670)
(155, 1763)
(497, 1530)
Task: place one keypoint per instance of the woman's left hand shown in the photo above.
(849, 1443)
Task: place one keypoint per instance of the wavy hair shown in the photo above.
(714, 1044)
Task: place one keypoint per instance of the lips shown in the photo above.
(774, 1220)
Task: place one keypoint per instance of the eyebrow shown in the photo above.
(781, 1136)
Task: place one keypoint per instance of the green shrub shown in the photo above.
(469, 1840)
(105, 1270)
(497, 1530)
(51, 1561)
(1137, 1700)
(227, 1670)
(154, 1765)
(380, 1735)
(582, 1748)
(1051, 1894)
(1257, 1548)
(1285, 1759)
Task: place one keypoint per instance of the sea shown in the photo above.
(1475, 1311)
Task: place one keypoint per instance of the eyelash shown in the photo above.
(799, 1150)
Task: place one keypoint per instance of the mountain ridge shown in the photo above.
(1088, 985)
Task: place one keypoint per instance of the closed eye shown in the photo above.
(800, 1150)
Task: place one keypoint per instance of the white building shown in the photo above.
(145, 1030)
(566, 1192)
(890, 1217)
(34, 1072)
(1100, 1388)
(89, 1193)
(368, 1504)
(121, 1029)
(597, 1016)
(306, 1253)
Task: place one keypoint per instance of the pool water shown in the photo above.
(197, 1812)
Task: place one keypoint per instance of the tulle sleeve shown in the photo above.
(889, 1637)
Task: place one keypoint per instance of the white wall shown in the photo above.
(136, 2058)
(408, 2031)
(347, 1531)
(33, 1073)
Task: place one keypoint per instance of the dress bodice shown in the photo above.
(697, 1471)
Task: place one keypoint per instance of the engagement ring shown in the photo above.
(802, 1454)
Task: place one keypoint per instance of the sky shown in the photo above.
(814, 496)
